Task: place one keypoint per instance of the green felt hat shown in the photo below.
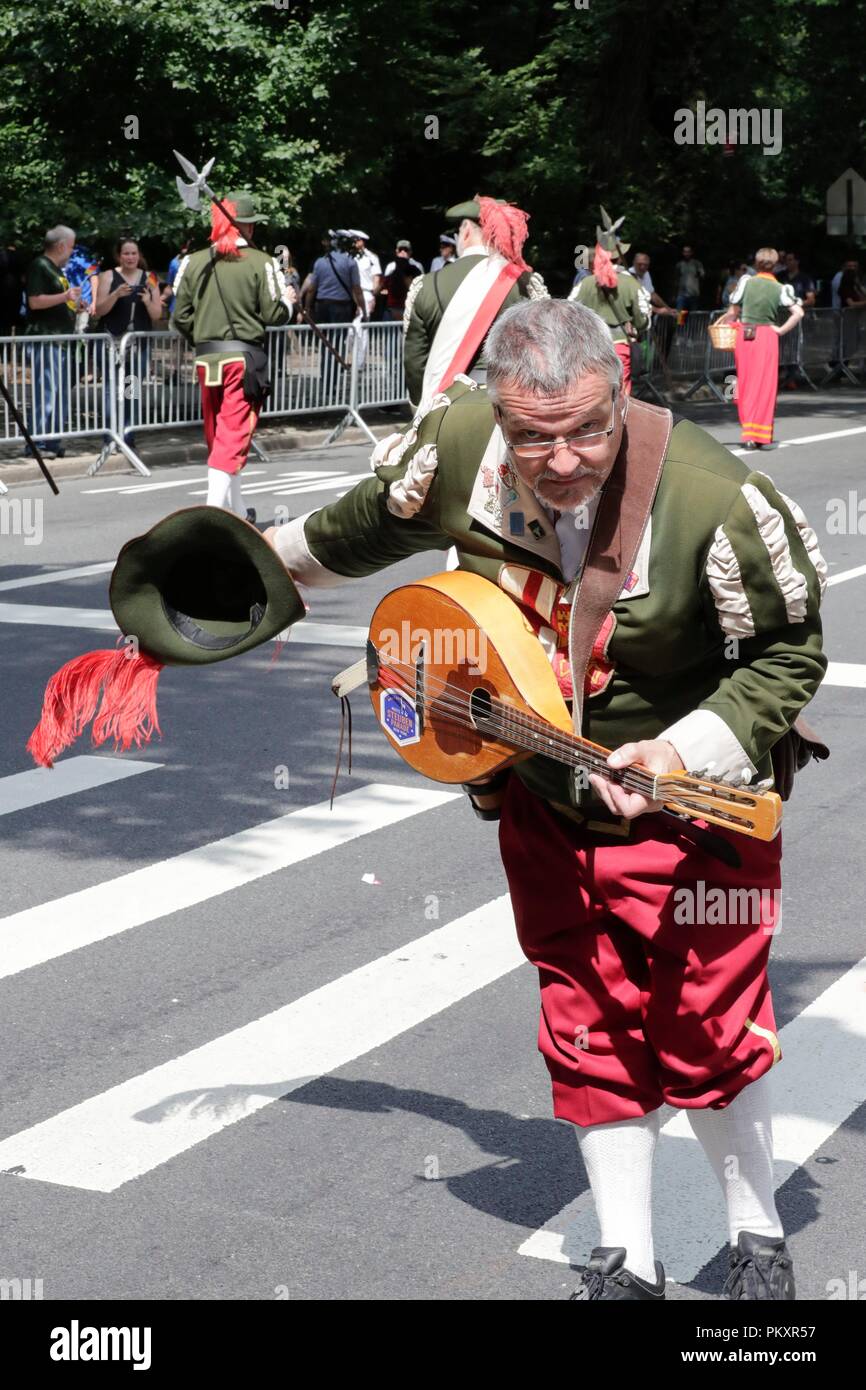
(246, 207)
(461, 210)
(200, 586)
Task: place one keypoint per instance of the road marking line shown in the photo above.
(78, 774)
(846, 574)
(812, 1096)
(126, 1131)
(102, 620)
(845, 673)
(154, 487)
(284, 489)
(806, 439)
(56, 576)
(52, 929)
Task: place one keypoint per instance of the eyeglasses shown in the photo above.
(543, 448)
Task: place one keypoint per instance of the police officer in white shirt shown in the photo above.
(369, 269)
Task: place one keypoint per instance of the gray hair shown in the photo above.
(544, 345)
(55, 235)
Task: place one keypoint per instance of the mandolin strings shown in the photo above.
(452, 704)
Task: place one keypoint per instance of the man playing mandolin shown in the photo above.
(675, 596)
(706, 584)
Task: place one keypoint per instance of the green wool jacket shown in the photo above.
(622, 306)
(250, 300)
(428, 298)
(715, 646)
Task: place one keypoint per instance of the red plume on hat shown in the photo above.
(224, 234)
(504, 228)
(120, 682)
(603, 268)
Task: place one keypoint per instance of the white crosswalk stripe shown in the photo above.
(127, 1131)
(83, 773)
(102, 620)
(52, 929)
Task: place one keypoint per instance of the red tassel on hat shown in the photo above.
(604, 269)
(127, 685)
(504, 228)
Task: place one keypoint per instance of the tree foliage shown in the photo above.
(324, 109)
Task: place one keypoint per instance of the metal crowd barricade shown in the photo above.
(819, 345)
(64, 387)
(852, 341)
(306, 379)
(157, 385)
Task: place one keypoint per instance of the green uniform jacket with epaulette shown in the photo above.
(717, 647)
(428, 298)
(228, 298)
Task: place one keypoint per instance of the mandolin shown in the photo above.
(462, 687)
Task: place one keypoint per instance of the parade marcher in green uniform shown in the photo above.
(613, 294)
(449, 312)
(704, 661)
(225, 298)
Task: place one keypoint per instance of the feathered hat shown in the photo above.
(607, 245)
(503, 225)
(200, 586)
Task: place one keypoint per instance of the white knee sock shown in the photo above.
(219, 488)
(237, 503)
(619, 1159)
(738, 1141)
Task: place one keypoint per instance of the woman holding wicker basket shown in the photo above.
(761, 312)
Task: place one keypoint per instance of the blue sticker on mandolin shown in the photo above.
(398, 717)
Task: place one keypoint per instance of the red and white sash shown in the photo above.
(467, 321)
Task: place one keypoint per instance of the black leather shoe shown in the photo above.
(251, 515)
(606, 1278)
(761, 1268)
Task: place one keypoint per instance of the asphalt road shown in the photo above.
(378, 1125)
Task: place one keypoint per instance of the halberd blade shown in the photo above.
(189, 193)
(189, 169)
(207, 168)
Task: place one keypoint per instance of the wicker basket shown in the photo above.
(723, 336)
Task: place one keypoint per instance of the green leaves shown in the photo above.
(555, 108)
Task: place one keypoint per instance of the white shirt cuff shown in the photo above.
(706, 745)
(291, 545)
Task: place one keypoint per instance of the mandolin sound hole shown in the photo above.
(481, 709)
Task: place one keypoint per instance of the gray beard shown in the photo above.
(573, 507)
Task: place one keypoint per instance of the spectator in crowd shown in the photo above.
(804, 288)
(332, 290)
(447, 252)
(804, 285)
(780, 266)
(168, 291)
(126, 297)
(369, 270)
(736, 271)
(11, 290)
(290, 272)
(640, 269)
(850, 263)
(852, 293)
(127, 301)
(653, 305)
(51, 309)
(690, 273)
(399, 274)
(403, 249)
